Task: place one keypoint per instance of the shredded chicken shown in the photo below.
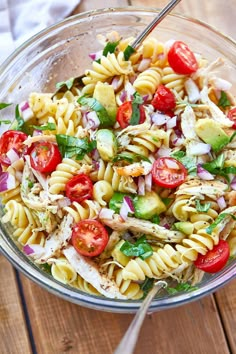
(56, 240)
(199, 188)
(89, 271)
(143, 226)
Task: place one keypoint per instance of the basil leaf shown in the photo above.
(105, 120)
(128, 52)
(135, 117)
(188, 162)
(202, 207)
(230, 170)
(156, 219)
(71, 146)
(130, 157)
(48, 126)
(181, 287)
(232, 137)
(214, 165)
(219, 218)
(110, 48)
(68, 83)
(139, 249)
(46, 267)
(5, 121)
(4, 105)
(147, 286)
(19, 123)
(167, 201)
(224, 101)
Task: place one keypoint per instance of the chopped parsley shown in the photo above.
(181, 287)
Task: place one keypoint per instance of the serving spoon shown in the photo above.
(128, 342)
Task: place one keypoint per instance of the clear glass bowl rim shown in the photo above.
(9, 249)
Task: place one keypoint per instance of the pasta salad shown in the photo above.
(126, 174)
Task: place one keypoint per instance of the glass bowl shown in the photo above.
(60, 52)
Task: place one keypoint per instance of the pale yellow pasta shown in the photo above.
(155, 50)
(148, 81)
(89, 209)
(173, 81)
(62, 270)
(102, 192)
(83, 285)
(11, 194)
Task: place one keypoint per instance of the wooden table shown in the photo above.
(34, 321)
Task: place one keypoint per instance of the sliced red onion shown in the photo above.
(7, 181)
(37, 132)
(159, 118)
(95, 155)
(148, 182)
(126, 207)
(130, 91)
(106, 213)
(233, 185)
(171, 164)
(13, 155)
(141, 186)
(222, 203)
(166, 226)
(176, 141)
(171, 123)
(25, 111)
(93, 120)
(144, 64)
(204, 174)
(199, 149)
(96, 165)
(145, 98)
(163, 151)
(123, 96)
(117, 82)
(96, 55)
(28, 250)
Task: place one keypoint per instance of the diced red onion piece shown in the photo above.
(25, 111)
(199, 149)
(28, 250)
(148, 182)
(128, 200)
(93, 120)
(144, 64)
(96, 55)
(221, 202)
(166, 226)
(171, 164)
(126, 208)
(163, 151)
(233, 186)
(7, 181)
(116, 82)
(171, 123)
(123, 96)
(159, 118)
(130, 90)
(37, 132)
(13, 155)
(95, 155)
(33, 250)
(141, 186)
(145, 98)
(204, 174)
(23, 106)
(106, 213)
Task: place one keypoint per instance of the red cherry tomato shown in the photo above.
(79, 188)
(215, 259)
(168, 172)
(45, 156)
(232, 116)
(182, 59)
(164, 99)
(124, 114)
(89, 237)
(11, 139)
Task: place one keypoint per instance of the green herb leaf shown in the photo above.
(139, 249)
(232, 137)
(214, 165)
(71, 146)
(4, 105)
(48, 126)
(224, 101)
(188, 162)
(68, 83)
(156, 219)
(105, 120)
(130, 157)
(5, 121)
(46, 267)
(110, 48)
(135, 117)
(167, 201)
(19, 123)
(181, 287)
(147, 286)
(203, 208)
(219, 218)
(128, 52)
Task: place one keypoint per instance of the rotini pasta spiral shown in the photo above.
(173, 81)
(148, 81)
(89, 209)
(83, 285)
(102, 192)
(62, 270)
(155, 50)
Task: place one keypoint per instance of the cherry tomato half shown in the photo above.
(232, 116)
(124, 114)
(181, 59)
(168, 172)
(45, 156)
(11, 139)
(164, 99)
(89, 237)
(79, 188)
(215, 259)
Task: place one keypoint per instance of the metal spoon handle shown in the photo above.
(128, 342)
(162, 14)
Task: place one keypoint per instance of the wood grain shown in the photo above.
(61, 327)
(13, 331)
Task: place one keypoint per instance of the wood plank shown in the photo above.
(59, 326)
(226, 301)
(13, 331)
(210, 12)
